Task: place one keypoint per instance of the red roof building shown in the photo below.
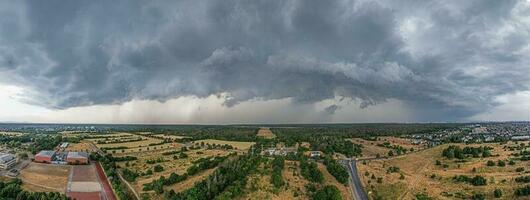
(44, 156)
(77, 158)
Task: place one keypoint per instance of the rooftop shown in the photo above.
(46, 153)
(73, 154)
(4, 157)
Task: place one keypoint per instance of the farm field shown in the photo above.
(172, 137)
(45, 177)
(265, 133)
(423, 176)
(237, 145)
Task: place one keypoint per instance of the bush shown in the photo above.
(490, 163)
(523, 191)
(438, 162)
(392, 169)
(478, 196)
(519, 169)
(158, 168)
(501, 163)
(522, 179)
(476, 181)
(422, 196)
(497, 193)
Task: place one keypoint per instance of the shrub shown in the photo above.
(158, 168)
(523, 191)
(522, 179)
(497, 193)
(392, 169)
(478, 196)
(422, 196)
(490, 163)
(501, 163)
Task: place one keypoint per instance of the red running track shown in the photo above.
(85, 195)
(106, 185)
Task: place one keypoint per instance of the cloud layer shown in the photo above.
(446, 59)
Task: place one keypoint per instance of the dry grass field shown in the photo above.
(237, 145)
(188, 183)
(146, 141)
(259, 186)
(82, 146)
(45, 177)
(265, 133)
(371, 148)
(173, 137)
(170, 165)
(422, 175)
(11, 133)
(167, 146)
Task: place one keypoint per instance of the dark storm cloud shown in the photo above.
(449, 59)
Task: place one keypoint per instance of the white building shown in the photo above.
(521, 137)
(64, 145)
(315, 153)
(7, 160)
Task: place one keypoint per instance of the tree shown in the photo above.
(390, 153)
(328, 192)
(310, 171)
(277, 167)
(478, 180)
(337, 170)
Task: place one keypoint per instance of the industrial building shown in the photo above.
(77, 158)
(45, 156)
(7, 160)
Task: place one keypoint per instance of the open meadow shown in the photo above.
(428, 172)
(265, 133)
(382, 145)
(45, 177)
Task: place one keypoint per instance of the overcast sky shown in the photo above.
(262, 61)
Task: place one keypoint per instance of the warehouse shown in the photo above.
(45, 156)
(77, 158)
(7, 160)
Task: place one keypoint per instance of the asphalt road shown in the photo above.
(357, 187)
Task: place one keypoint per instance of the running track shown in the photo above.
(106, 185)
